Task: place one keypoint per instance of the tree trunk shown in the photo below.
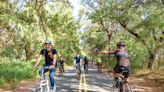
(153, 60)
(28, 51)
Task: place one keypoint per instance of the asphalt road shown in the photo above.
(93, 81)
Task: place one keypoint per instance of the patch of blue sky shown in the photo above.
(85, 22)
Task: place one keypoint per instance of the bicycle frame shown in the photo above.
(121, 82)
(44, 81)
(86, 68)
(79, 70)
(61, 71)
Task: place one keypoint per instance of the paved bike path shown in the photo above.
(92, 82)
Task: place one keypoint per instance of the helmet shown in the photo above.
(121, 44)
(47, 42)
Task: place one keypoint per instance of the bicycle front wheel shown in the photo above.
(126, 87)
(43, 89)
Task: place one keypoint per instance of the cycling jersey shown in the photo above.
(48, 56)
(61, 62)
(121, 54)
(122, 58)
(86, 61)
(78, 59)
(98, 60)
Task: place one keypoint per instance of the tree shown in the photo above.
(143, 20)
(27, 24)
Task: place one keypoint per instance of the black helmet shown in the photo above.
(47, 42)
(120, 44)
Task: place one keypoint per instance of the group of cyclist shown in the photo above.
(81, 63)
(50, 55)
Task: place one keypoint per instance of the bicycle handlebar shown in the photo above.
(45, 67)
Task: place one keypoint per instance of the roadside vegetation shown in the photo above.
(26, 24)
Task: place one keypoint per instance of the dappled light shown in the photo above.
(83, 43)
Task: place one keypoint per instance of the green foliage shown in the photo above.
(27, 24)
(13, 70)
(138, 24)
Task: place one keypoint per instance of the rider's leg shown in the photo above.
(116, 70)
(79, 68)
(44, 71)
(51, 76)
(84, 66)
(63, 68)
(126, 74)
(126, 77)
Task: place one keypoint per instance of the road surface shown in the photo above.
(93, 81)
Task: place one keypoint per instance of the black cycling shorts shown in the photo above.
(119, 69)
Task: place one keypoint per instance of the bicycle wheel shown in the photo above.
(45, 89)
(78, 74)
(114, 86)
(86, 69)
(38, 90)
(126, 87)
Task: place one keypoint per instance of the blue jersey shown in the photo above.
(77, 60)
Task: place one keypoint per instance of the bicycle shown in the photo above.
(61, 70)
(99, 66)
(86, 68)
(123, 86)
(44, 85)
(78, 71)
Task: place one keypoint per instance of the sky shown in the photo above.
(77, 6)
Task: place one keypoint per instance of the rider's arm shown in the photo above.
(112, 52)
(54, 59)
(54, 52)
(107, 52)
(103, 52)
(42, 52)
(38, 61)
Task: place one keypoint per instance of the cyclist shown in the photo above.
(86, 60)
(78, 61)
(61, 61)
(99, 63)
(50, 60)
(92, 61)
(123, 63)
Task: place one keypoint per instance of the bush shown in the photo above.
(13, 71)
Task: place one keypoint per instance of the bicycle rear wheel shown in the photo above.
(78, 74)
(114, 89)
(126, 87)
(86, 69)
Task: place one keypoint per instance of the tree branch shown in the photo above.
(133, 33)
(162, 2)
(153, 32)
(130, 31)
